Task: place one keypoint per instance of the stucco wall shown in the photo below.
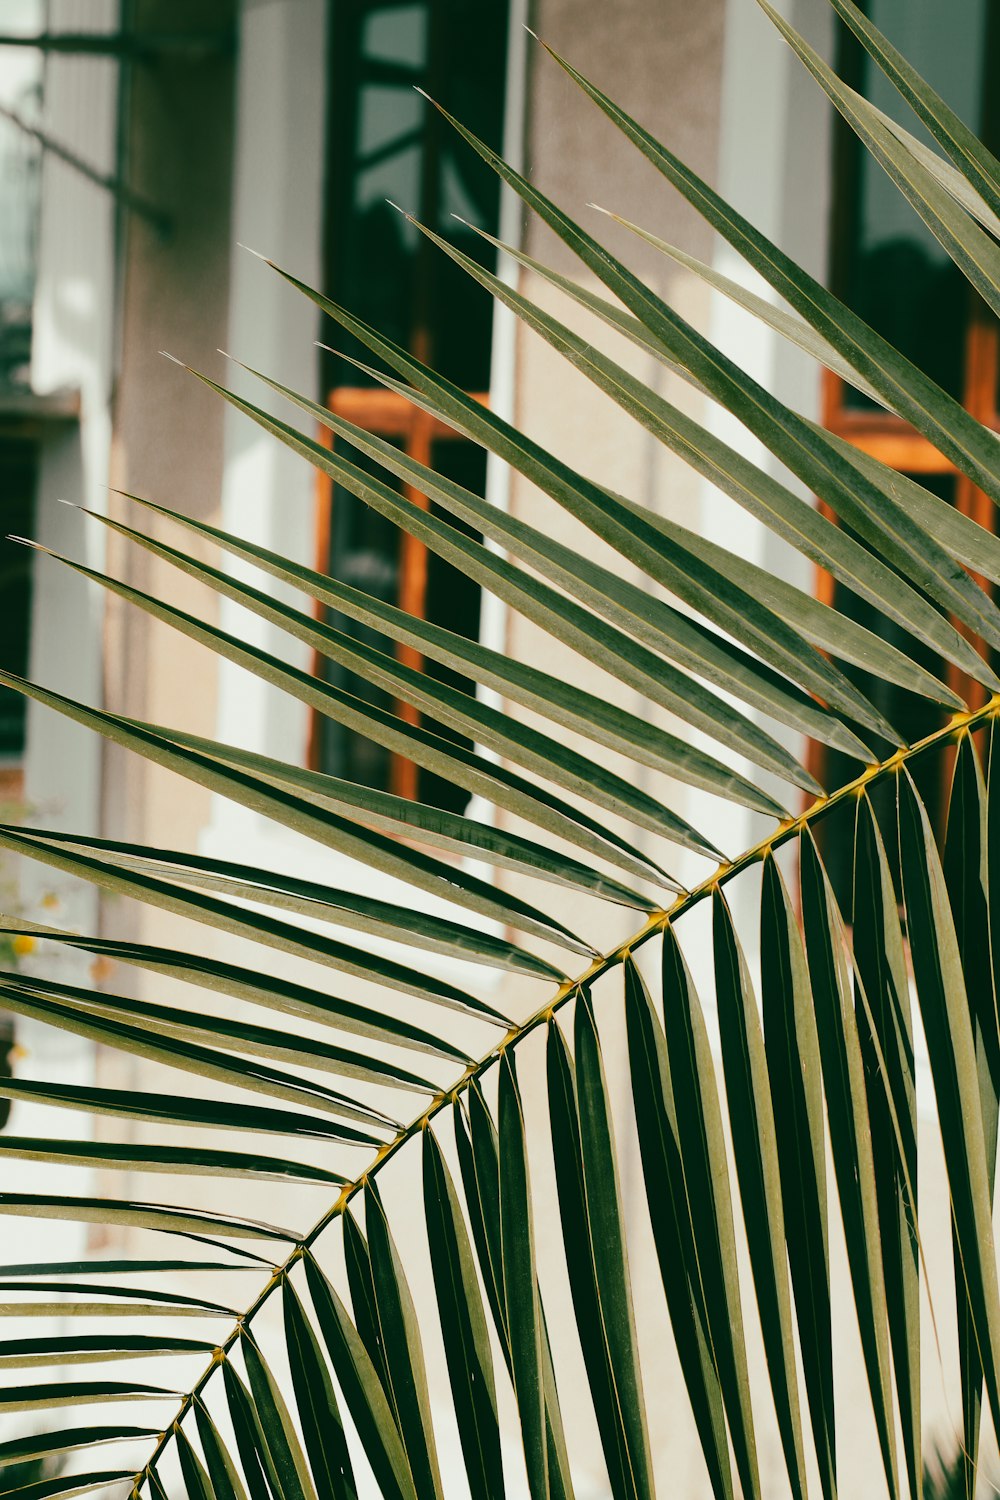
(177, 136)
(178, 127)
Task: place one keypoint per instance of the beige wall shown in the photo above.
(177, 130)
(167, 427)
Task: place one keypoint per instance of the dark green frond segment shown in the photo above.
(673, 1226)
(463, 1324)
(850, 1133)
(967, 876)
(947, 1017)
(751, 1116)
(885, 1032)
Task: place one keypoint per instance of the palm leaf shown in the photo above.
(418, 1333)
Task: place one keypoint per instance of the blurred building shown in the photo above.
(145, 143)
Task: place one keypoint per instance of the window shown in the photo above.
(887, 266)
(17, 489)
(387, 143)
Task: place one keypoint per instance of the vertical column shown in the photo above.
(73, 347)
(267, 492)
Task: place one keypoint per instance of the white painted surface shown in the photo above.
(268, 494)
(73, 346)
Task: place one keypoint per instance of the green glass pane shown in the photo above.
(17, 495)
(453, 602)
(387, 145)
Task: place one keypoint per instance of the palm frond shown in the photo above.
(393, 1344)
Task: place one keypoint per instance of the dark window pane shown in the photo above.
(386, 142)
(453, 602)
(364, 552)
(888, 265)
(17, 497)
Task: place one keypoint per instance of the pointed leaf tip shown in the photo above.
(250, 251)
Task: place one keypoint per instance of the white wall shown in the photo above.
(73, 347)
(268, 494)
